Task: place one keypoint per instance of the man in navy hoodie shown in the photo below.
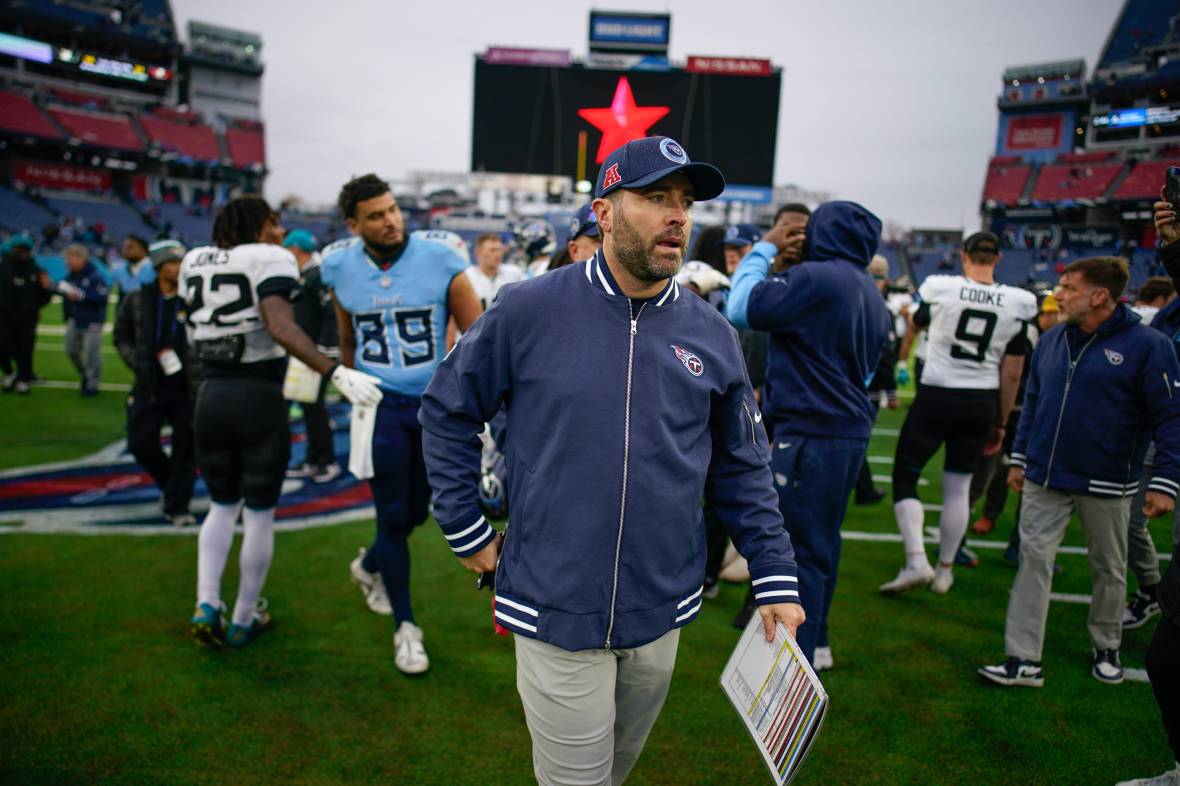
(85, 304)
(1101, 386)
(828, 325)
(627, 401)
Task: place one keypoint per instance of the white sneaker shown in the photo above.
(1169, 778)
(326, 474)
(943, 579)
(372, 587)
(908, 578)
(408, 653)
(822, 659)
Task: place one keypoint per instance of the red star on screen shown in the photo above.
(622, 121)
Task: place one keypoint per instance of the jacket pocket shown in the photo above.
(520, 482)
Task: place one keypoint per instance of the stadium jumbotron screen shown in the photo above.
(527, 119)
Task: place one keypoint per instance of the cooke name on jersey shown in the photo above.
(983, 296)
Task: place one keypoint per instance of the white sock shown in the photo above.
(213, 545)
(258, 546)
(909, 515)
(952, 524)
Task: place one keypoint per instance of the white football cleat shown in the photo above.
(907, 579)
(822, 660)
(943, 579)
(371, 584)
(408, 653)
(1169, 778)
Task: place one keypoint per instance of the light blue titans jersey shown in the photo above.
(399, 315)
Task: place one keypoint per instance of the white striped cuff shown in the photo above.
(1164, 486)
(780, 587)
(1019, 460)
(470, 540)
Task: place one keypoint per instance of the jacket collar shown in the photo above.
(599, 275)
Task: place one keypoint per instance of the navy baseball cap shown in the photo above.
(584, 222)
(742, 235)
(642, 162)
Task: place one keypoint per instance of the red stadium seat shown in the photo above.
(20, 115)
(1145, 180)
(104, 130)
(246, 147)
(1061, 182)
(1086, 158)
(192, 141)
(1005, 183)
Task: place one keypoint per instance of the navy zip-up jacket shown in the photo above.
(1092, 403)
(92, 308)
(621, 415)
(827, 323)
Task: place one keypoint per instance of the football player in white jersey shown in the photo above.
(490, 272)
(1155, 293)
(242, 326)
(974, 357)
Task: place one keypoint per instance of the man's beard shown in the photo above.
(387, 250)
(639, 259)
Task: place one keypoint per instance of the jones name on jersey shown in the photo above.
(970, 329)
(223, 287)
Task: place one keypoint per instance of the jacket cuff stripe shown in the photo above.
(474, 543)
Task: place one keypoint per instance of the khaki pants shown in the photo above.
(1044, 514)
(589, 712)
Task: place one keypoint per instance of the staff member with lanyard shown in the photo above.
(150, 337)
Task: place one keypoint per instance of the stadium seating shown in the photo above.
(20, 115)
(1005, 182)
(1065, 182)
(119, 219)
(1145, 180)
(1143, 23)
(99, 129)
(193, 228)
(246, 147)
(196, 141)
(18, 214)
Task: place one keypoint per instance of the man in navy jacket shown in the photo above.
(84, 292)
(828, 325)
(626, 399)
(1101, 386)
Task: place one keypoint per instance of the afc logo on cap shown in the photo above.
(673, 151)
(611, 177)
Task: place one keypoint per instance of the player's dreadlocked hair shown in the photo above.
(358, 190)
(240, 221)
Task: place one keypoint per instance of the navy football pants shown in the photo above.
(813, 477)
(401, 496)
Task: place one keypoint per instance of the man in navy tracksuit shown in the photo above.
(828, 325)
(84, 292)
(627, 401)
(1101, 386)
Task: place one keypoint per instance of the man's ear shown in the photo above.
(603, 209)
(353, 226)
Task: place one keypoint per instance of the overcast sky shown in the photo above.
(891, 104)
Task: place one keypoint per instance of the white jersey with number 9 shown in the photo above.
(971, 325)
(223, 287)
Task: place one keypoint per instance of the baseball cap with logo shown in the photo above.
(742, 235)
(642, 162)
(584, 222)
(984, 242)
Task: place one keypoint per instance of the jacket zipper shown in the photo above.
(614, 593)
(1073, 364)
(750, 418)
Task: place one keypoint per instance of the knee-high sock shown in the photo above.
(391, 552)
(258, 546)
(909, 520)
(952, 524)
(213, 545)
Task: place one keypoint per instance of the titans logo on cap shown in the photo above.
(673, 151)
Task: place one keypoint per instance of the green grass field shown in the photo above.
(103, 684)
